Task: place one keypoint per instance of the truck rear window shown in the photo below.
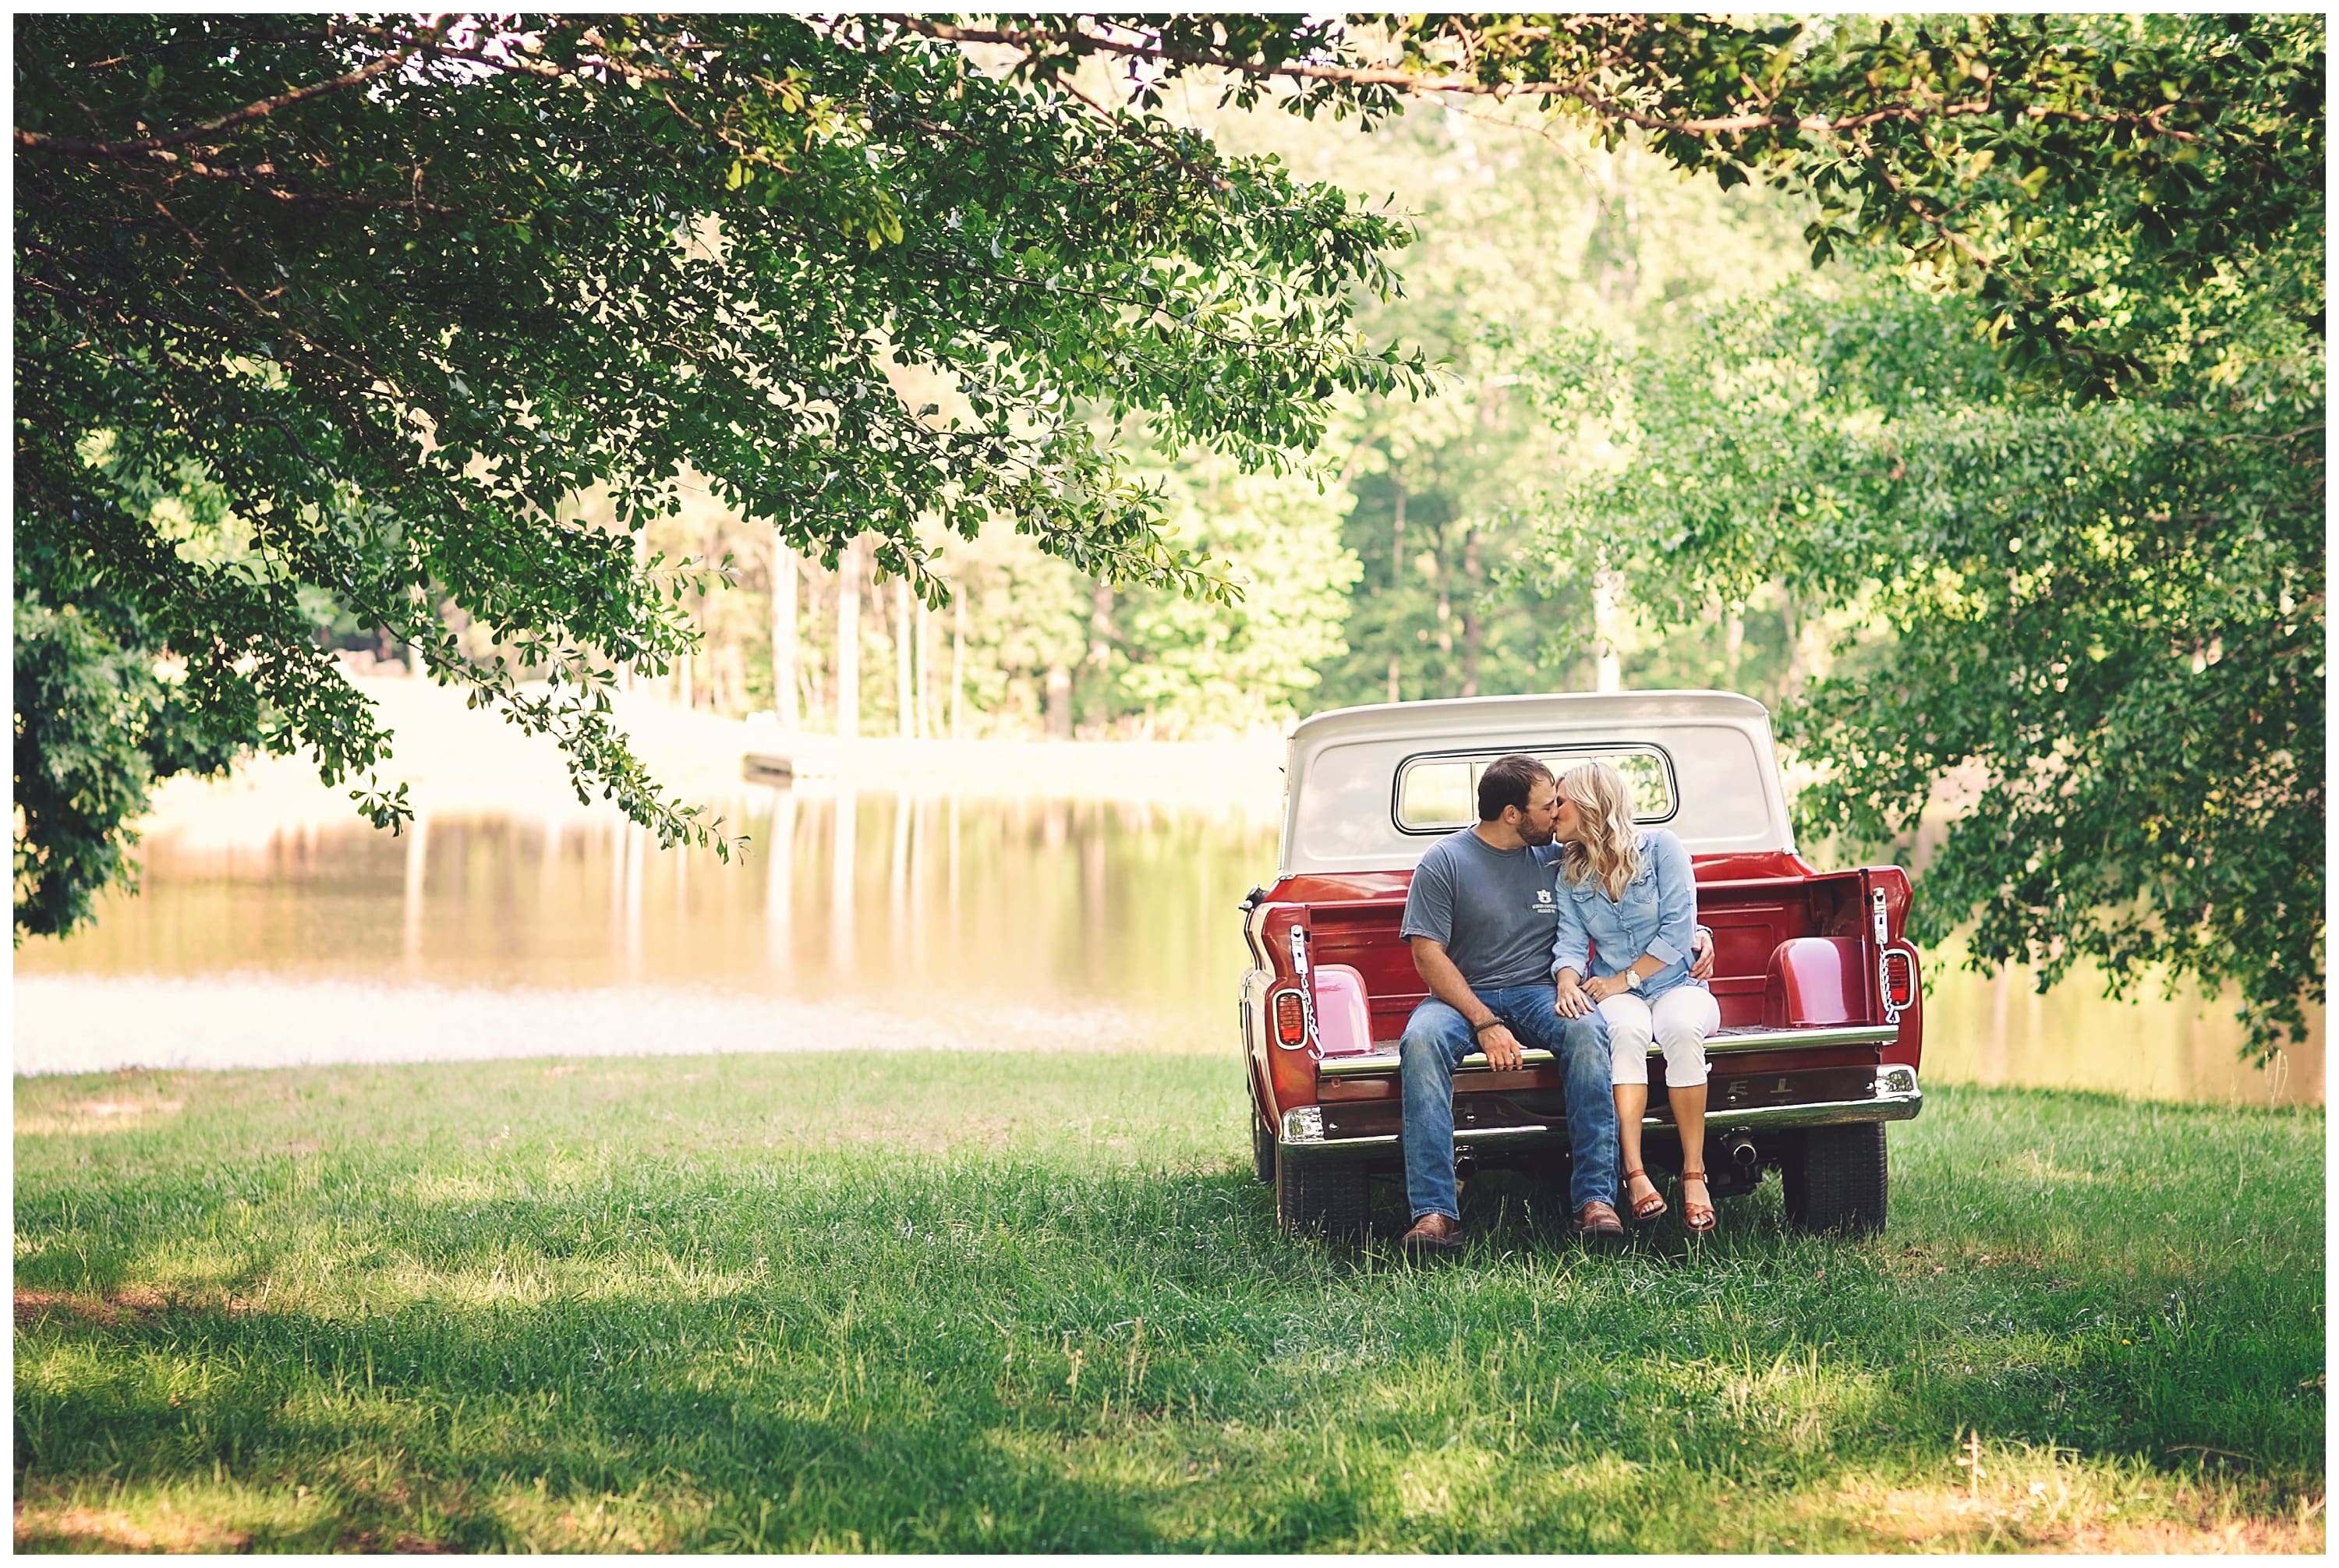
(1440, 793)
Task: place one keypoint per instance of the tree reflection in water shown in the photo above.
(1037, 923)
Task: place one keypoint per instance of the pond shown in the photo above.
(870, 921)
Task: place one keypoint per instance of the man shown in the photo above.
(1481, 918)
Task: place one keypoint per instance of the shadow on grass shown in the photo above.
(791, 1353)
(486, 1430)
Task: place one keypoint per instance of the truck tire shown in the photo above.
(1262, 1148)
(1321, 1196)
(1837, 1181)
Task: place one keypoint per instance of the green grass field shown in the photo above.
(926, 1302)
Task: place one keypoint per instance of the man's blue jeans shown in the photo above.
(1436, 1037)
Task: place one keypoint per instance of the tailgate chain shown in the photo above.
(1306, 988)
(1883, 956)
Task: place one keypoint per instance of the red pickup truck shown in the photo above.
(1821, 1010)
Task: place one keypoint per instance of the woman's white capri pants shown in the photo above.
(1678, 1021)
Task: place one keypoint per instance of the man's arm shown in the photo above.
(1446, 984)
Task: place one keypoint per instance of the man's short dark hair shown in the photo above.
(1507, 781)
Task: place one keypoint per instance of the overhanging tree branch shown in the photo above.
(1601, 104)
(36, 142)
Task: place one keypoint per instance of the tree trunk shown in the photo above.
(906, 690)
(1393, 695)
(958, 662)
(922, 620)
(1099, 659)
(1472, 630)
(784, 634)
(1396, 544)
(813, 670)
(1445, 619)
(1608, 628)
(848, 642)
(1813, 654)
(1632, 253)
(1733, 645)
(1059, 703)
(1620, 280)
(1800, 643)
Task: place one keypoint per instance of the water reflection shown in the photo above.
(895, 919)
(1998, 1029)
(844, 871)
(904, 901)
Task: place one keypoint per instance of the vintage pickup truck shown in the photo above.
(1822, 1009)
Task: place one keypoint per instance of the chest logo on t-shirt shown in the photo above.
(1542, 901)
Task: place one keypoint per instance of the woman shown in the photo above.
(1626, 890)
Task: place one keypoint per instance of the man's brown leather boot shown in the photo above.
(1433, 1233)
(1597, 1225)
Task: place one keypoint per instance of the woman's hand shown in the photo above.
(1570, 1001)
(1603, 987)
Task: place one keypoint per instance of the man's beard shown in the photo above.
(1534, 839)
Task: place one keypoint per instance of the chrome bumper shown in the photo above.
(1897, 1097)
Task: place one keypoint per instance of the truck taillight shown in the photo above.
(1899, 978)
(1290, 1020)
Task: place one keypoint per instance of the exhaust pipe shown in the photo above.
(1741, 1150)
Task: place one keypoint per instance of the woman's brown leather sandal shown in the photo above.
(1647, 1209)
(1697, 1218)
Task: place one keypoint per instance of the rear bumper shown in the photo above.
(1897, 1098)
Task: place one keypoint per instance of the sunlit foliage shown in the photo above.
(2091, 629)
(397, 288)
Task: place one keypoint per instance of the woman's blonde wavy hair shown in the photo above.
(1610, 851)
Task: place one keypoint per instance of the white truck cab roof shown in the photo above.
(1371, 788)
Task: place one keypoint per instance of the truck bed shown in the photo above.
(1751, 903)
(1769, 1068)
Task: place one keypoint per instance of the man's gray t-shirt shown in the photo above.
(1493, 909)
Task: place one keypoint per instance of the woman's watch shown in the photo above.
(1631, 979)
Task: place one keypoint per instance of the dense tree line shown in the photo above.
(1020, 643)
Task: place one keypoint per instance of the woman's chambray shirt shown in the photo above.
(1656, 916)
